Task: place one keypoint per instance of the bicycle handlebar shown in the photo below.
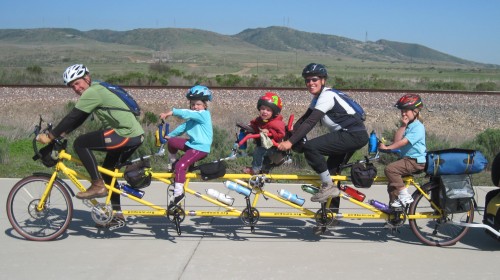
(255, 136)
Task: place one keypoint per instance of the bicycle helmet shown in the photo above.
(74, 72)
(271, 100)
(409, 102)
(199, 93)
(314, 69)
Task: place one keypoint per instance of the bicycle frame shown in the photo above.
(229, 211)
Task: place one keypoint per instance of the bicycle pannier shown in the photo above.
(49, 155)
(363, 175)
(455, 161)
(456, 193)
(138, 174)
(212, 170)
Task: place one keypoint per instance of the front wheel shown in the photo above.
(35, 224)
(437, 231)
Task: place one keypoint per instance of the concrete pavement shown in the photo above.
(220, 248)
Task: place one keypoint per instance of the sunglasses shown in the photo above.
(312, 80)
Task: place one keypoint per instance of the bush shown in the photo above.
(34, 69)
(488, 86)
(488, 142)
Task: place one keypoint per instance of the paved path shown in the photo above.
(218, 248)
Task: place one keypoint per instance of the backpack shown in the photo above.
(125, 97)
(360, 113)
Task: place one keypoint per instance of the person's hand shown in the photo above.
(43, 138)
(165, 115)
(285, 146)
(382, 146)
(404, 121)
(266, 131)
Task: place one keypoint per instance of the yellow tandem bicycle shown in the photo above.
(40, 207)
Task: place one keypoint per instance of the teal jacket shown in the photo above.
(198, 127)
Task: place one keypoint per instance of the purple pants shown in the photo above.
(190, 156)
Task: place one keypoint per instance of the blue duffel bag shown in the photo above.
(455, 161)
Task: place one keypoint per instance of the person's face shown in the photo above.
(314, 84)
(80, 85)
(408, 114)
(265, 112)
(197, 105)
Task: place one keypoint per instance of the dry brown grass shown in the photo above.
(454, 117)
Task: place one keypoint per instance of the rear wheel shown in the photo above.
(437, 231)
(34, 224)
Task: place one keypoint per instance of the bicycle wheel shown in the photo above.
(39, 225)
(437, 232)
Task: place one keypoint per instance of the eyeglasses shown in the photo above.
(311, 80)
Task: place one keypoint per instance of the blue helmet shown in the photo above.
(199, 93)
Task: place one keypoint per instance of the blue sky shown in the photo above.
(466, 29)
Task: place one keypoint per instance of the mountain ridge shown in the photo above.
(273, 38)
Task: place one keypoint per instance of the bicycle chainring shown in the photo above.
(102, 214)
(250, 217)
(326, 219)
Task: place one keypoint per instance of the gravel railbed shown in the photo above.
(452, 117)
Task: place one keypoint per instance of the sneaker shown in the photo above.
(176, 201)
(326, 191)
(402, 200)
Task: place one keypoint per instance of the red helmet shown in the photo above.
(409, 102)
(271, 100)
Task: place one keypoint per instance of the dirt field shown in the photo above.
(452, 117)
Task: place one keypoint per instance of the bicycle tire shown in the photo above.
(437, 232)
(34, 225)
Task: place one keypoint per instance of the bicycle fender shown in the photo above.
(59, 180)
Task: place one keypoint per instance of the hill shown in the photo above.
(287, 39)
(145, 42)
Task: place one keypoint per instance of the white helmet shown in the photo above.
(74, 72)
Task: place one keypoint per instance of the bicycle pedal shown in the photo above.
(116, 224)
(319, 230)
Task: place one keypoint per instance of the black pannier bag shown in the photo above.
(456, 193)
(138, 174)
(212, 170)
(363, 174)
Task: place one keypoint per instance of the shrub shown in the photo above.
(487, 86)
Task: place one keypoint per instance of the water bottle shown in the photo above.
(373, 143)
(128, 189)
(224, 198)
(242, 135)
(359, 196)
(310, 189)
(237, 188)
(380, 205)
(291, 197)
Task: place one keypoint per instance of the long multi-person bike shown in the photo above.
(39, 207)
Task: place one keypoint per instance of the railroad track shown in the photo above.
(278, 89)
